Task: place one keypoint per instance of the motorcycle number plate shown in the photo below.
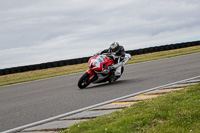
(100, 59)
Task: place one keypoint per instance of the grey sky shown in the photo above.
(37, 31)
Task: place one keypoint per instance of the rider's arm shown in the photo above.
(102, 51)
(122, 51)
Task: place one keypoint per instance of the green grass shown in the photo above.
(178, 112)
(59, 71)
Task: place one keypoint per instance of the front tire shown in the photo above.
(83, 81)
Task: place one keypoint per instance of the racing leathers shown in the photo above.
(119, 59)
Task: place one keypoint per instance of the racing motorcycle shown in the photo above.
(101, 69)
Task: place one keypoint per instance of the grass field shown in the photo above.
(58, 71)
(177, 112)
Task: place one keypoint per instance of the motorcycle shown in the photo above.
(101, 69)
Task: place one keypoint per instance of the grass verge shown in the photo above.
(59, 71)
(177, 112)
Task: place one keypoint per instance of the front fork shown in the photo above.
(92, 74)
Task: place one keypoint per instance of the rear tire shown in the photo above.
(83, 81)
(117, 77)
(122, 70)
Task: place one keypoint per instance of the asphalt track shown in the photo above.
(29, 102)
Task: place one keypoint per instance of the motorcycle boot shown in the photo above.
(112, 77)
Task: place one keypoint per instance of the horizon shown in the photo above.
(34, 32)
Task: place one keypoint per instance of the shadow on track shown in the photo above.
(106, 84)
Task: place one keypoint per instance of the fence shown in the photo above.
(85, 59)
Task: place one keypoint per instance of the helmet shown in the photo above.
(114, 47)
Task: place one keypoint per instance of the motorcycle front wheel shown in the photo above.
(83, 81)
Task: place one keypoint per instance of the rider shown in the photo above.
(118, 53)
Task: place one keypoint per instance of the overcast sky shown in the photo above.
(38, 31)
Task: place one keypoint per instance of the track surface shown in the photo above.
(26, 103)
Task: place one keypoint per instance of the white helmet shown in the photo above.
(114, 47)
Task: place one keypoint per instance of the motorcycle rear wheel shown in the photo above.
(83, 81)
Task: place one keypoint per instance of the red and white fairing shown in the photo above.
(101, 69)
(99, 64)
